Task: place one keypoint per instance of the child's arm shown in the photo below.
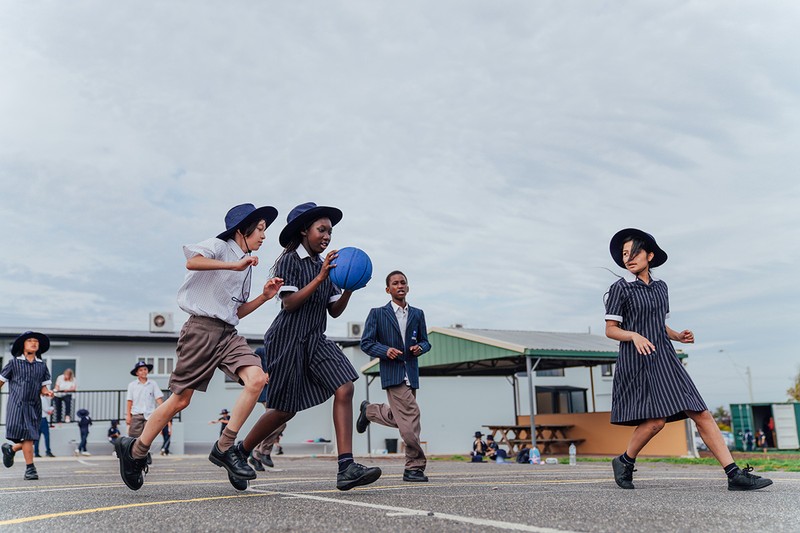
(128, 415)
(337, 308)
(685, 336)
(271, 288)
(643, 346)
(201, 262)
(369, 339)
(295, 300)
(44, 392)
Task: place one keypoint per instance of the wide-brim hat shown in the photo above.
(19, 343)
(478, 434)
(224, 412)
(619, 238)
(139, 365)
(241, 216)
(304, 214)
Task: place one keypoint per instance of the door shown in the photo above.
(741, 420)
(785, 426)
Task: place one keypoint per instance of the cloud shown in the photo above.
(488, 150)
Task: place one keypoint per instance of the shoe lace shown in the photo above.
(746, 471)
(629, 470)
(142, 465)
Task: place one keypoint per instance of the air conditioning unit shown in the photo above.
(161, 323)
(355, 329)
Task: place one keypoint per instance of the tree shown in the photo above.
(723, 418)
(794, 392)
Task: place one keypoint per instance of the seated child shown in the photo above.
(113, 433)
(479, 448)
(493, 451)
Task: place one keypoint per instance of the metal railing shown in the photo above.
(103, 405)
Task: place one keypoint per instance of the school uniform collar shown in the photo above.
(302, 253)
(630, 277)
(235, 248)
(22, 357)
(407, 308)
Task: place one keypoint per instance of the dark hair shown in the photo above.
(394, 273)
(250, 228)
(294, 242)
(637, 245)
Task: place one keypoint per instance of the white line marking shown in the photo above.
(511, 526)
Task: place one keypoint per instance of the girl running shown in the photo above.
(651, 386)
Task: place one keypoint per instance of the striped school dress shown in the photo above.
(24, 408)
(647, 386)
(304, 366)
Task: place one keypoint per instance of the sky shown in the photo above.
(488, 149)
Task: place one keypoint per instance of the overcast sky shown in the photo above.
(488, 149)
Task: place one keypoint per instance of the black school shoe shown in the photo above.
(744, 480)
(623, 474)
(266, 460)
(232, 460)
(31, 473)
(355, 475)
(132, 470)
(414, 475)
(238, 483)
(255, 463)
(363, 421)
(8, 455)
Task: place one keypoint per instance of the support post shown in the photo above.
(532, 396)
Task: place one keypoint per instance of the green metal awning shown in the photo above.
(484, 352)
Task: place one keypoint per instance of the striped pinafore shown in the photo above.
(647, 386)
(305, 368)
(24, 408)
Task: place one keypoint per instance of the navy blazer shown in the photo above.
(382, 331)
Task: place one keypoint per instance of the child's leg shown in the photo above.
(253, 379)
(176, 403)
(711, 435)
(264, 427)
(643, 434)
(343, 418)
(27, 451)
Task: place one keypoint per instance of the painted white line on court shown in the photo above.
(402, 511)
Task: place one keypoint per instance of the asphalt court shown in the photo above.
(188, 493)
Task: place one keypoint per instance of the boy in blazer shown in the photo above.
(396, 334)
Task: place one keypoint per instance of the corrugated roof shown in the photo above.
(539, 340)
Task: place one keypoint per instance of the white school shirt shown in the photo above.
(210, 292)
(143, 396)
(402, 319)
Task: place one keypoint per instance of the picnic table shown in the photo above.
(515, 436)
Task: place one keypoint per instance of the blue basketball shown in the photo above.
(353, 269)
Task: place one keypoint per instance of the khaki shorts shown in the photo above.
(137, 425)
(204, 345)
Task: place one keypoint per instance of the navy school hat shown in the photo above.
(478, 434)
(240, 216)
(19, 343)
(140, 364)
(305, 214)
(619, 238)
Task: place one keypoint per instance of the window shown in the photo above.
(552, 400)
(162, 366)
(607, 370)
(556, 372)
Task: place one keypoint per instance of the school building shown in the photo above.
(469, 380)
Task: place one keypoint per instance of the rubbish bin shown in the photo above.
(391, 445)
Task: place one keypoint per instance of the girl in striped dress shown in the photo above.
(305, 367)
(28, 379)
(651, 386)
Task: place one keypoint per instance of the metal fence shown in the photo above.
(103, 405)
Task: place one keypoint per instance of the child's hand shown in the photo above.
(416, 350)
(326, 265)
(271, 287)
(393, 353)
(266, 378)
(643, 346)
(245, 262)
(686, 337)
